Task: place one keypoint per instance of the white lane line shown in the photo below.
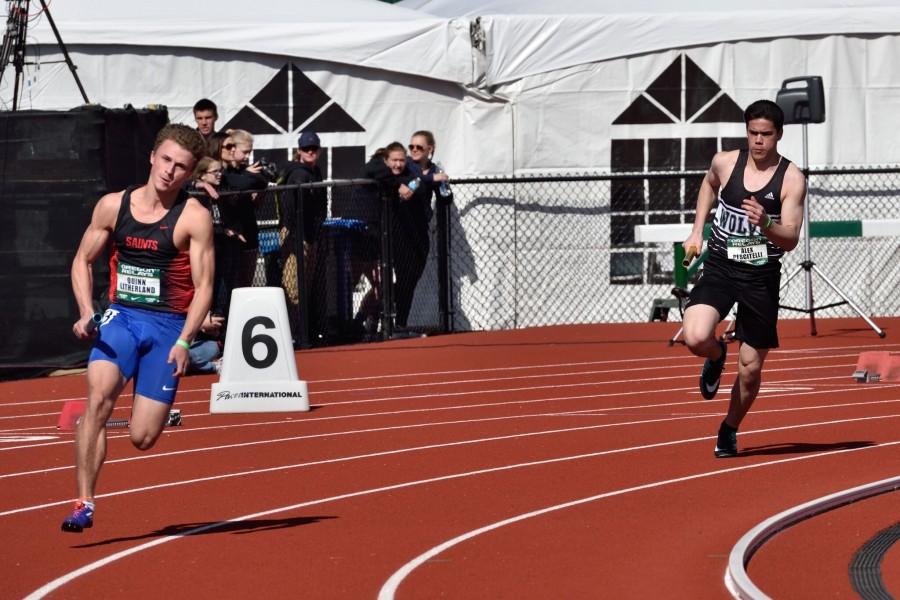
(853, 388)
(412, 449)
(389, 589)
(692, 365)
(436, 394)
(72, 575)
(590, 412)
(774, 358)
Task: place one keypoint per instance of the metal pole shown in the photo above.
(386, 266)
(65, 52)
(807, 261)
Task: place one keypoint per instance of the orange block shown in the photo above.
(71, 412)
(874, 363)
(892, 371)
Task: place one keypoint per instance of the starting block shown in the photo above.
(73, 410)
(873, 367)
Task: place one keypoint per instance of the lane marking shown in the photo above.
(389, 589)
(853, 388)
(16, 439)
(413, 449)
(773, 357)
(90, 567)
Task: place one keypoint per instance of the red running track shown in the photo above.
(565, 462)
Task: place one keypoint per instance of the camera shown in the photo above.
(269, 169)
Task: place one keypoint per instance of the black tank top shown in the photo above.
(146, 269)
(732, 238)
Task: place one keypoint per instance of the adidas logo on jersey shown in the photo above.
(770, 196)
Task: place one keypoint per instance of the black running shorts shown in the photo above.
(755, 291)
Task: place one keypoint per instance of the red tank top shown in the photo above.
(146, 269)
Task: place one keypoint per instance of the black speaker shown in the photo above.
(802, 99)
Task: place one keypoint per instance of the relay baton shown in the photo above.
(689, 256)
(93, 323)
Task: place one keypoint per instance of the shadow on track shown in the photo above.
(236, 527)
(801, 448)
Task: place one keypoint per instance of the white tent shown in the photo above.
(571, 67)
(529, 37)
(508, 87)
(363, 72)
(547, 84)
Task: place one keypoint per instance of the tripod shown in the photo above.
(13, 48)
(808, 266)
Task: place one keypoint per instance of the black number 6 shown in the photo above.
(248, 340)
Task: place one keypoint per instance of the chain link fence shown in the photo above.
(556, 250)
(524, 252)
(343, 257)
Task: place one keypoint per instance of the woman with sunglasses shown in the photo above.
(411, 221)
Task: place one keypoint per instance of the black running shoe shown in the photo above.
(712, 373)
(726, 442)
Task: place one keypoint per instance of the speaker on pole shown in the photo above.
(802, 99)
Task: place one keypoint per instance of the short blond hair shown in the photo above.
(186, 137)
(239, 136)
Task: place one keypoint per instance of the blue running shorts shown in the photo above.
(138, 341)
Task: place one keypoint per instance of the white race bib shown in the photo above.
(748, 250)
(137, 284)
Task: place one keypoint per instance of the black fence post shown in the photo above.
(301, 336)
(445, 285)
(386, 266)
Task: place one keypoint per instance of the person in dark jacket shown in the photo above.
(240, 176)
(387, 167)
(312, 204)
(412, 216)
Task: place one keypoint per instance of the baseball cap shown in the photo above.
(308, 138)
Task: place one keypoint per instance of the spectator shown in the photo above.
(240, 176)
(206, 350)
(228, 244)
(388, 168)
(205, 114)
(315, 205)
(411, 240)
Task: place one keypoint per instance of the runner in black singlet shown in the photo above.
(757, 220)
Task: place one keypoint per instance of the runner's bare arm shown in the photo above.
(200, 231)
(720, 166)
(94, 240)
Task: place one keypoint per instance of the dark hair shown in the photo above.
(206, 104)
(765, 109)
(214, 144)
(184, 136)
(382, 153)
(203, 166)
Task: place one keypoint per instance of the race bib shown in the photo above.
(137, 284)
(749, 250)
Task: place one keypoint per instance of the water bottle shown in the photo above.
(444, 188)
(414, 184)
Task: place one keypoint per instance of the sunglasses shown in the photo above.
(229, 146)
(414, 147)
(309, 148)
